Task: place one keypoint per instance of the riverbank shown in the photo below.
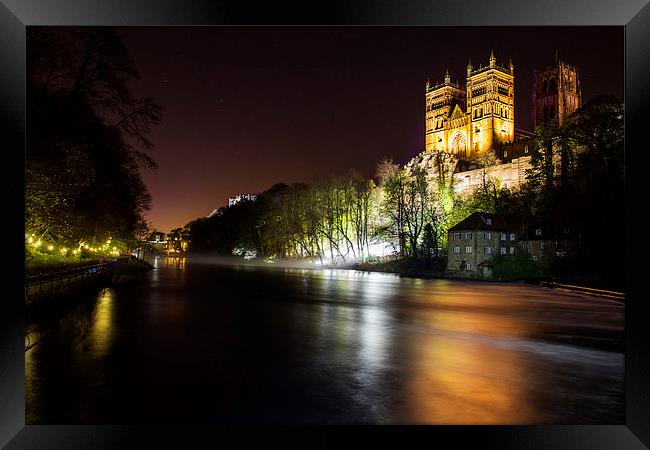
(428, 269)
(418, 268)
(61, 289)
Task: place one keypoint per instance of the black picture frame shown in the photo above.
(634, 15)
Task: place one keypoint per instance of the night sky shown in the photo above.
(248, 107)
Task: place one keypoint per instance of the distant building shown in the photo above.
(473, 242)
(157, 237)
(543, 242)
(232, 201)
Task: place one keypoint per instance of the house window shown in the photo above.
(502, 250)
(526, 148)
(487, 236)
(468, 266)
(538, 232)
(534, 258)
(512, 250)
(457, 249)
(505, 153)
(541, 245)
(488, 221)
(468, 249)
(512, 236)
(503, 236)
(468, 235)
(488, 250)
(456, 236)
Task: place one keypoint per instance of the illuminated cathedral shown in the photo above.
(479, 116)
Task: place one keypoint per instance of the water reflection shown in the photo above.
(461, 378)
(203, 344)
(102, 325)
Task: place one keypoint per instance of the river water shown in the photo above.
(206, 343)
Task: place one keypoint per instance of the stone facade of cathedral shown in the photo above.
(468, 120)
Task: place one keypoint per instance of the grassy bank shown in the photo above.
(51, 265)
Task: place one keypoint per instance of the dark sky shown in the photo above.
(247, 107)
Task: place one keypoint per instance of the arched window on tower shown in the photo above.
(458, 145)
(545, 86)
(553, 85)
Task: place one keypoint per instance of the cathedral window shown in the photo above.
(458, 145)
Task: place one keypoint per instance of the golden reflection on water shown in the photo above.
(101, 329)
(178, 262)
(463, 377)
(462, 369)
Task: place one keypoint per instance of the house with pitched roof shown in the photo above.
(473, 243)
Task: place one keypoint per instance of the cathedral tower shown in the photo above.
(491, 105)
(556, 93)
(441, 101)
(472, 119)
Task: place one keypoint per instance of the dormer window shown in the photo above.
(488, 221)
(538, 232)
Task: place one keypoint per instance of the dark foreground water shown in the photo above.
(204, 343)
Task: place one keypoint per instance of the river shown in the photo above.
(207, 343)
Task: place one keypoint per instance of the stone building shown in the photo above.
(541, 242)
(556, 92)
(232, 201)
(466, 121)
(473, 242)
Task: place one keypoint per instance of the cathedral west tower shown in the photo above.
(470, 120)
